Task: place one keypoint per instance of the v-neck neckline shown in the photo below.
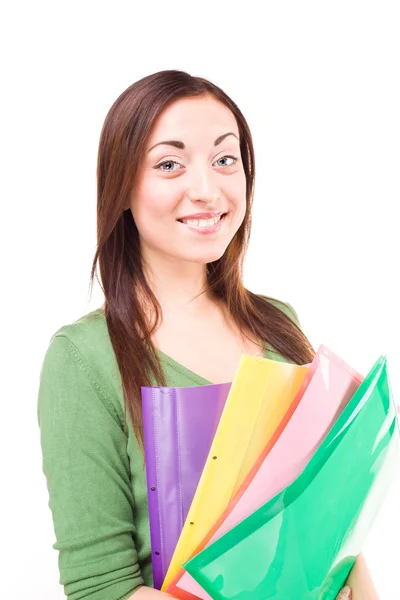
(195, 377)
(180, 368)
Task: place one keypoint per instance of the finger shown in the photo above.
(344, 594)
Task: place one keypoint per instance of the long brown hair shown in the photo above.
(122, 146)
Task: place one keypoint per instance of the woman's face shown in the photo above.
(192, 173)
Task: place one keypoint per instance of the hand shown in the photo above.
(344, 594)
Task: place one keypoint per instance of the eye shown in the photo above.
(234, 158)
(167, 162)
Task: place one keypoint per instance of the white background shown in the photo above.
(319, 85)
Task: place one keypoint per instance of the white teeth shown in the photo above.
(200, 223)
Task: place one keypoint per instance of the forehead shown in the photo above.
(200, 117)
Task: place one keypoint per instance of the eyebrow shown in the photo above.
(181, 145)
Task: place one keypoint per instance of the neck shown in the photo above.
(178, 285)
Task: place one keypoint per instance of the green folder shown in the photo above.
(302, 544)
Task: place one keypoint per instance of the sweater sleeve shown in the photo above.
(86, 466)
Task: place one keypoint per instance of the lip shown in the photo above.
(204, 215)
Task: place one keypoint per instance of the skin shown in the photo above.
(199, 178)
(202, 179)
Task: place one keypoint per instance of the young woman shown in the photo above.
(175, 189)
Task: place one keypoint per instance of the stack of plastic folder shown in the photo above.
(267, 487)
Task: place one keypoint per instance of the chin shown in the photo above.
(205, 257)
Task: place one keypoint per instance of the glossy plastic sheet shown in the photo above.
(179, 427)
(303, 543)
(259, 397)
(326, 390)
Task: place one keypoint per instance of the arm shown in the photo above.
(360, 581)
(146, 593)
(87, 472)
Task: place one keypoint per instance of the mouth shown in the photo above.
(203, 224)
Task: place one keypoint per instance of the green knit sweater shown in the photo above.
(95, 476)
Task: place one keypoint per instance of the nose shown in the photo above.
(202, 186)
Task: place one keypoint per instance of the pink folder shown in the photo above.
(327, 388)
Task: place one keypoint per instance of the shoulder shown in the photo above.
(88, 336)
(284, 307)
(85, 333)
(85, 345)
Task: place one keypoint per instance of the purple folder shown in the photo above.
(179, 427)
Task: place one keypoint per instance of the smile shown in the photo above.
(204, 225)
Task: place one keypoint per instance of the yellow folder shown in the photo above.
(260, 395)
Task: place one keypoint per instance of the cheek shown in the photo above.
(240, 215)
(237, 194)
(152, 202)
